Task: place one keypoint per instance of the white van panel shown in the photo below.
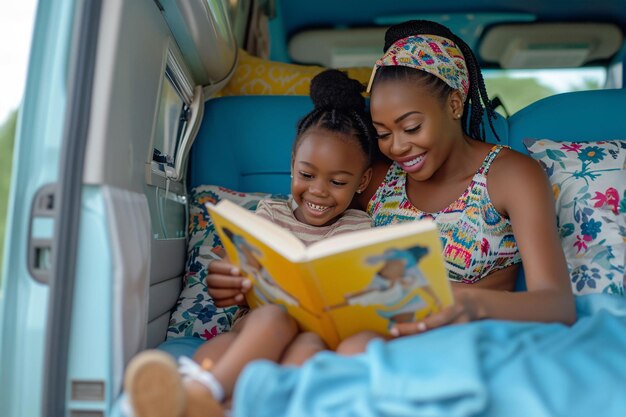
(130, 62)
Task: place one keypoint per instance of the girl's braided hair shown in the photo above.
(339, 107)
(477, 99)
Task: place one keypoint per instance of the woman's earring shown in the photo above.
(291, 176)
(359, 191)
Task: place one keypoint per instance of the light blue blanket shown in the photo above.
(486, 368)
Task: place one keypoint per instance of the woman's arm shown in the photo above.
(522, 191)
(518, 188)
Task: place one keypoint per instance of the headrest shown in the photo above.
(244, 142)
(580, 116)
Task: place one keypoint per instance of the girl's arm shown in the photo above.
(226, 283)
(519, 188)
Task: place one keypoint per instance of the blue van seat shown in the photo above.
(580, 116)
(244, 142)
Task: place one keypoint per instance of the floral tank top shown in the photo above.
(476, 239)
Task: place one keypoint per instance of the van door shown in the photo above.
(44, 205)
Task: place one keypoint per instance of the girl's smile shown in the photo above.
(315, 209)
(326, 174)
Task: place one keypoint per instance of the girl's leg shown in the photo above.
(211, 351)
(302, 348)
(155, 387)
(356, 344)
(265, 334)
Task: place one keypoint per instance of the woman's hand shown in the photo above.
(463, 310)
(226, 284)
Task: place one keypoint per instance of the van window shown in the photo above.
(516, 89)
(171, 122)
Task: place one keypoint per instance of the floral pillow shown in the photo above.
(194, 313)
(589, 184)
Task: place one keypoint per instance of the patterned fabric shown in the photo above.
(589, 184)
(281, 213)
(257, 76)
(476, 239)
(195, 313)
(436, 55)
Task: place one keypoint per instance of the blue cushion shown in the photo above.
(580, 116)
(181, 346)
(244, 142)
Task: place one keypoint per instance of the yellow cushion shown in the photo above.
(257, 76)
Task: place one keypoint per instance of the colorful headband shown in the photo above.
(436, 55)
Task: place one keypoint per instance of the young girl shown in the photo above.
(494, 206)
(330, 163)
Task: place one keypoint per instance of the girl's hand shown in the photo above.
(226, 284)
(463, 310)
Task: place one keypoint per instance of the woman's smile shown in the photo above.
(413, 163)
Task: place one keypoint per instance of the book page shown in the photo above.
(379, 284)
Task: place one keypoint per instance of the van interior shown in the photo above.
(166, 105)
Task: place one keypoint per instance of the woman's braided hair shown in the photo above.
(477, 99)
(339, 107)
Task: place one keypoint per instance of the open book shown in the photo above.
(361, 280)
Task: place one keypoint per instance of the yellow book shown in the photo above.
(336, 287)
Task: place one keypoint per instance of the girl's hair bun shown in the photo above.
(333, 89)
